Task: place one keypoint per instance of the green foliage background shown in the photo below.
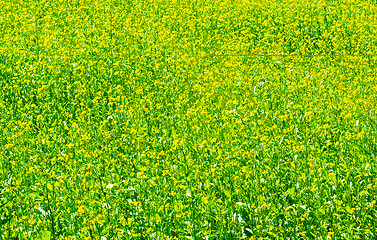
(116, 124)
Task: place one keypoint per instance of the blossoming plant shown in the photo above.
(118, 122)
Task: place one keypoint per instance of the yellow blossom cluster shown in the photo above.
(117, 122)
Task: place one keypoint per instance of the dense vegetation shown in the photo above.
(116, 124)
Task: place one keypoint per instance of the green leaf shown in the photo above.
(46, 235)
(178, 206)
(349, 209)
(18, 181)
(227, 193)
(204, 200)
(35, 195)
(291, 191)
(49, 187)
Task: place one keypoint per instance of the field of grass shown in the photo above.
(116, 124)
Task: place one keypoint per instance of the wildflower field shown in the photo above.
(117, 123)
